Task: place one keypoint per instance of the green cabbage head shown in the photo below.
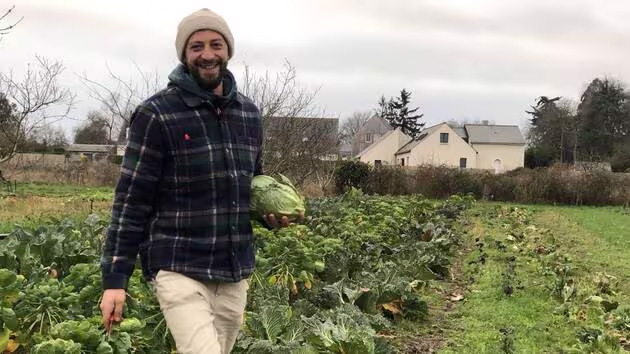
(279, 197)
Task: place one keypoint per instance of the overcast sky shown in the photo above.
(461, 59)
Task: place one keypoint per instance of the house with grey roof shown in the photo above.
(92, 152)
(370, 132)
(480, 146)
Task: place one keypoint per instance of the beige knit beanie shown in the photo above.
(203, 19)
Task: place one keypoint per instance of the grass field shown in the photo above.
(557, 264)
(528, 279)
(32, 203)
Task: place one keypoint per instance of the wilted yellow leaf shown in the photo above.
(53, 273)
(581, 315)
(294, 289)
(11, 346)
(4, 338)
(393, 307)
(457, 297)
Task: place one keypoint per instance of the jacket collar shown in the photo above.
(194, 96)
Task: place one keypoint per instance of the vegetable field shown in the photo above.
(357, 267)
(363, 274)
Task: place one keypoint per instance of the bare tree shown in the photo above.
(38, 100)
(299, 141)
(300, 147)
(120, 97)
(281, 95)
(45, 139)
(4, 28)
(351, 125)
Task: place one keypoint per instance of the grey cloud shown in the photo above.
(72, 36)
(487, 63)
(437, 105)
(426, 58)
(532, 18)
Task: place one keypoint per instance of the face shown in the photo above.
(206, 58)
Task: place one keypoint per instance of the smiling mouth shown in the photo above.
(208, 67)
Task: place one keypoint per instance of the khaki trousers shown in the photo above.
(203, 317)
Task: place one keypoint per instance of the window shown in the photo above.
(402, 161)
(498, 166)
(444, 138)
(462, 162)
(378, 163)
(407, 161)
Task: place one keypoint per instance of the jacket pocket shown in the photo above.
(194, 157)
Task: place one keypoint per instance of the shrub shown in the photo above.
(620, 161)
(537, 157)
(388, 181)
(557, 184)
(351, 174)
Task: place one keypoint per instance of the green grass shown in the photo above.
(486, 310)
(598, 238)
(33, 203)
(57, 190)
(594, 240)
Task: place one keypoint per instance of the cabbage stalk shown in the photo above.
(278, 197)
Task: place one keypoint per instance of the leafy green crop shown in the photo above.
(83, 332)
(357, 266)
(57, 346)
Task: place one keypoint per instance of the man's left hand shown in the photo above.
(283, 221)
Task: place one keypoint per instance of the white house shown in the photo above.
(481, 146)
(383, 150)
(373, 129)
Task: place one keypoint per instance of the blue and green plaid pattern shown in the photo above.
(182, 200)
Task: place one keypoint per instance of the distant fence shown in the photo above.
(32, 160)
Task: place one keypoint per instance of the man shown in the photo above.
(182, 200)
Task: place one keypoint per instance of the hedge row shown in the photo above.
(559, 184)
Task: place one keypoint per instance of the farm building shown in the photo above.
(92, 152)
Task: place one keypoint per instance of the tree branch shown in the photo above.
(36, 101)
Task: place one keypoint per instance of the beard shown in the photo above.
(204, 81)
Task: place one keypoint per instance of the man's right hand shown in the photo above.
(274, 222)
(112, 307)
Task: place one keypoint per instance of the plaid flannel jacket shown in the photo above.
(182, 200)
